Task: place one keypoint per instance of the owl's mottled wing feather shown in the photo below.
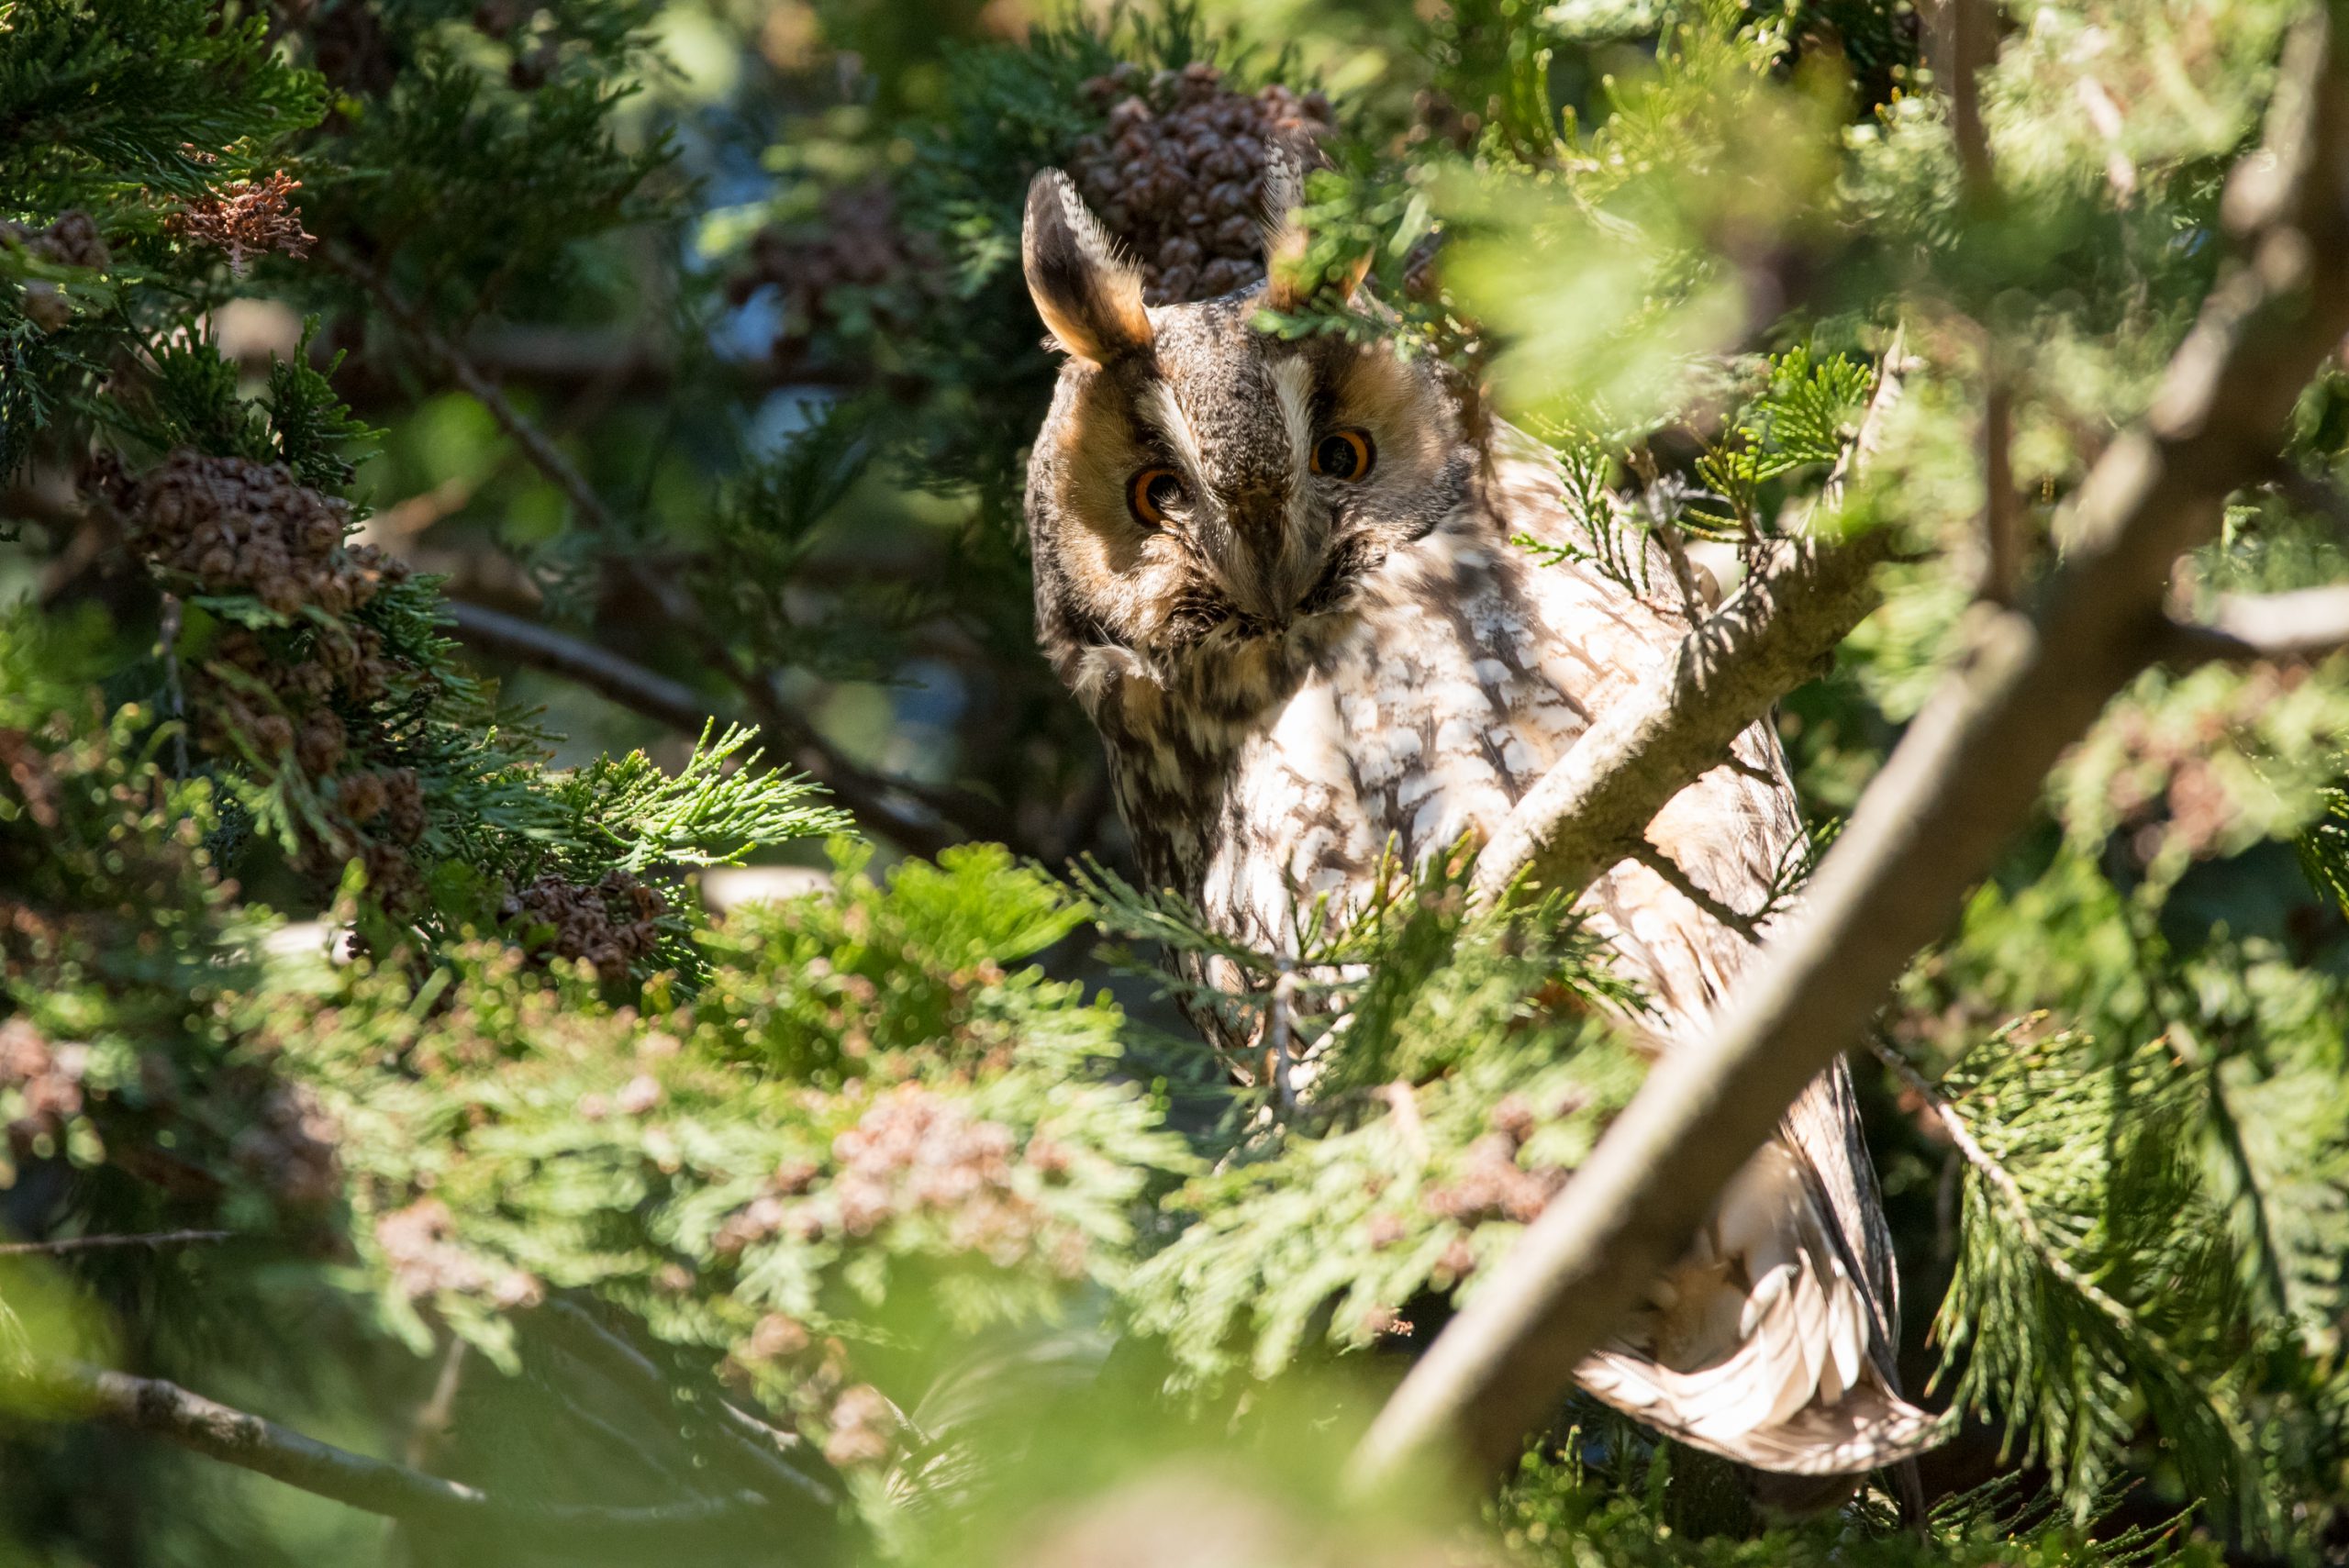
(1772, 1342)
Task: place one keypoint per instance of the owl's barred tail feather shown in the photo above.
(1761, 1357)
(1766, 1345)
(1771, 1341)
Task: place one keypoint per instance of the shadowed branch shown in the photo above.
(373, 1485)
(2309, 623)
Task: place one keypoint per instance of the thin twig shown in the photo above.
(634, 1373)
(632, 1445)
(2026, 1222)
(2001, 505)
(438, 1413)
(371, 1485)
(2018, 1206)
(597, 668)
(1972, 48)
(96, 1243)
(1667, 535)
(1968, 772)
(2010, 1191)
(405, 518)
(1280, 1010)
(1403, 1102)
(167, 637)
(918, 816)
(1675, 876)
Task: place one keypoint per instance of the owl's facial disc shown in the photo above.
(1222, 487)
(1246, 507)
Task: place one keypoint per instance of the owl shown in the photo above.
(1279, 575)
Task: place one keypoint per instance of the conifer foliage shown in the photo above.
(466, 472)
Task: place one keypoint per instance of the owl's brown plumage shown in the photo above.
(1279, 577)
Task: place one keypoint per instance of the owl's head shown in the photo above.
(1198, 483)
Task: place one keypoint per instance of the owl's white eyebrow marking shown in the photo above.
(1293, 390)
(1158, 406)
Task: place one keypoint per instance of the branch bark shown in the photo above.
(1972, 47)
(752, 1444)
(2308, 623)
(1590, 810)
(371, 1485)
(599, 669)
(1932, 822)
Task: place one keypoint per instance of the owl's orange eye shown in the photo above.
(1343, 454)
(1154, 493)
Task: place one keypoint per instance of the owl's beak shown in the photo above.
(1274, 561)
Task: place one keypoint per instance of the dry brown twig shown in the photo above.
(1934, 820)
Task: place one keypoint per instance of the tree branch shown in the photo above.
(96, 1243)
(599, 669)
(921, 818)
(2308, 623)
(1972, 46)
(747, 1439)
(1589, 810)
(1593, 808)
(2026, 1222)
(2001, 506)
(1933, 823)
(371, 1485)
(1675, 876)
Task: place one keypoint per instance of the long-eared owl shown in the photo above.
(1280, 576)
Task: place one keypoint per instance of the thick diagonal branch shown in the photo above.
(1934, 821)
(373, 1485)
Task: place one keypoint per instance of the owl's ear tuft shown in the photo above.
(1089, 295)
(1286, 286)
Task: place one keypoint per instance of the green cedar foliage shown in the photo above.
(798, 1157)
(858, 1126)
(1459, 1067)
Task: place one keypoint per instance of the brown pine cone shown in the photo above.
(237, 526)
(857, 257)
(611, 924)
(1177, 172)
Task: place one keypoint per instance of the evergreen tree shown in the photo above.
(470, 476)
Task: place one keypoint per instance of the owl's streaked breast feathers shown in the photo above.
(1295, 660)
